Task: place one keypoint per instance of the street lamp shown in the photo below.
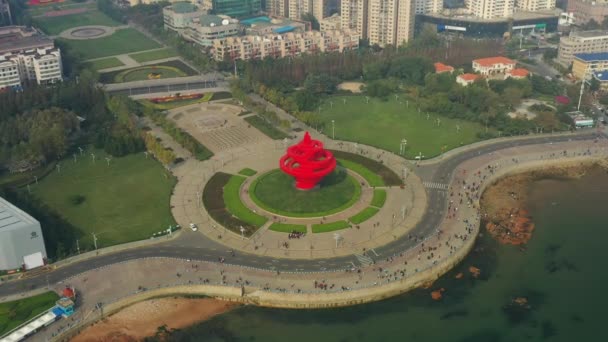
(402, 146)
(333, 129)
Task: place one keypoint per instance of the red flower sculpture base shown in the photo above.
(307, 162)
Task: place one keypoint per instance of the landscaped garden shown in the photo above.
(287, 228)
(105, 63)
(122, 41)
(15, 313)
(275, 191)
(374, 172)
(330, 227)
(216, 204)
(148, 56)
(166, 69)
(56, 25)
(384, 123)
(265, 127)
(177, 102)
(124, 201)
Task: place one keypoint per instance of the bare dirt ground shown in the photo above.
(141, 320)
(354, 87)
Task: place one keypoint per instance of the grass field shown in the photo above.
(123, 202)
(275, 192)
(247, 172)
(56, 25)
(105, 63)
(41, 9)
(236, 207)
(153, 55)
(379, 198)
(265, 127)
(363, 215)
(372, 178)
(122, 41)
(330, 227)
(287, 228)
(15, 313)
(385, 123)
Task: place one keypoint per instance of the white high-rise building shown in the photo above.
(27, 55)
(491, 9)
(354, 16)
(428, 6)
(535, 5)
(390, 22)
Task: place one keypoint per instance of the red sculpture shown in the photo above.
(307, 162)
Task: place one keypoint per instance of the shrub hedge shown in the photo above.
(389, 177)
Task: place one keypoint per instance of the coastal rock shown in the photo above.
(474, 271)
(459, 275)
(437, 294)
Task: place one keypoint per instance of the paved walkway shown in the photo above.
(429, 258)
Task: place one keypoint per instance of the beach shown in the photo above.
(144, 319)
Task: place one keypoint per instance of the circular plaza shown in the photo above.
(87, 32)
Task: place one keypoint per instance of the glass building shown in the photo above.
(237, 8)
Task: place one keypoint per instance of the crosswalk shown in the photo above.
(364, 260)
(433, 185)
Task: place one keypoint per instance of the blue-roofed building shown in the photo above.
(602, 77)
(585, 64)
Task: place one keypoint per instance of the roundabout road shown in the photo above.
(204, 249)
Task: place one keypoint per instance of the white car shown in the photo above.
(193, 227)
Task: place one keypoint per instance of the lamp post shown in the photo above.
(333, 129)
(402, 146)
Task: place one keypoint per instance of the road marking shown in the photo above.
(374, 251)
(364, 260)
(434, 185)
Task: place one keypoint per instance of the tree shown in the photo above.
(512, 97)
(594, 84)
(312, 20)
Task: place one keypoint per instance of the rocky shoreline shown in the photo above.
(504, 203)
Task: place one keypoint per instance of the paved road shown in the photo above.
(200, 248)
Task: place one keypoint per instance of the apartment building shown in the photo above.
(428, 6)
(354, 16)
(490, 9)
(206, 28)
(585, 10)
(294, 9)
(331, 23)
(534, 5)
(390, 22)
(179, 15)
(27, 55)
(581, 42)
(277, 8)
(285, 45)
(585, 64)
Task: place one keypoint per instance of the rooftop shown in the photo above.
(440, 67)
(19, 38)
(591, 57)
(589, 34)
(183, 7)
(601, 76)
(469, 77)
(490, 61)
(215, 20)
(12, 218)
(519, 72)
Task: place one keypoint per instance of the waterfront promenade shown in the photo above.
(430, 255)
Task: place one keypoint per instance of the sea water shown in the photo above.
(561, 272)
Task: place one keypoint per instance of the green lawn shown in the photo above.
(364, 215)
(235, 206)
(153, 55)
(385, 123)
(15, 313)
(379, 198)
(122, 41)
(105, 63)
(329, 227)
(123, 202)
(372, 178)
(287, 228)
(143, 73)
(265, 127)
(275, 192)
(247, 172)
(41, 9)
(56, 25)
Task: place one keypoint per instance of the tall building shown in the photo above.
(490, 9)
(534, 5)
(204, 29)
(179, 15)
(237, 8)
(277, 8)
(21, 241)
(5, 13)
(390, 22)
(585, 10)
(27, 55)
(354, 16)
(428, 6)
(581, 42)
